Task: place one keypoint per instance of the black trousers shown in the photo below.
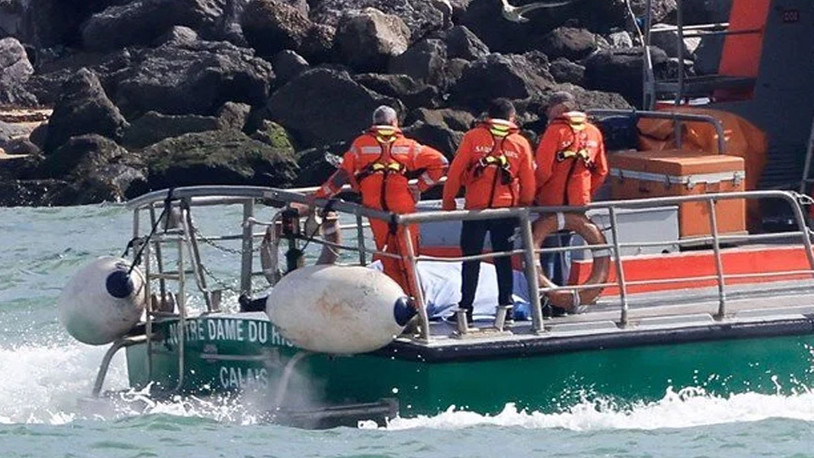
(473, 235)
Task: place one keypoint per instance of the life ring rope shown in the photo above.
(574, 300)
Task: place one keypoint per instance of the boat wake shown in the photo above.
(685, 408)
(47, 385)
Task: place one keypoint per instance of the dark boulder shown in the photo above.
(571, 43)
(620, 70)
(233, 115)
(565, 71)
(705, 11)
(15, 70)
(84, 108)
(461, 43)
(317, 47)
(288, 64)
(274, 135)
(81, 155)
(194, 79)
(141, 22)
(47, 23)
(411, 92)
(325, 105)
(366, 39)
(178, 35)
(46, 83)
(457, 120)
(437, 136)
(424, 61)
(217, 157)
(512, 76)
(154, 127)
(33, 193)
(271, 26)
(421, 16)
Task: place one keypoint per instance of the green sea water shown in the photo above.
(44, 376)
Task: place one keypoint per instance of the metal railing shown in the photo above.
(682, 31)
(209, 195)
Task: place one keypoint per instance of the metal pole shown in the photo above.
(159, 259)
(649, 83)
(247, 248)
(195, 257)
(801, 225)
(182, 312)
(620, 270)
(360, 240)
(419, 296)
(531, 272)
(719, 265)
(680, 52)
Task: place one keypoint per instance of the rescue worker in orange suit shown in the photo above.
(495, 165)
(571, 166)
(378, 165)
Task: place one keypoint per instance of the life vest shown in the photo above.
(577, 148)
(500, 131)
(385, 136)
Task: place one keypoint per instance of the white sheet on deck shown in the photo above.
(441, 283)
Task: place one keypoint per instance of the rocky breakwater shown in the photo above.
(148, 94)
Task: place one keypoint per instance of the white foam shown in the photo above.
(686, 408)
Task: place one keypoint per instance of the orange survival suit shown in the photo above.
(378, 165)
(494, 164)
(571, 161)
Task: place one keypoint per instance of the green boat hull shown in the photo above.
(238, 354)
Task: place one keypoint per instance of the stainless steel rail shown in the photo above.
(211, 195)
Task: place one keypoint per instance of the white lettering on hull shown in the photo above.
(227, 330)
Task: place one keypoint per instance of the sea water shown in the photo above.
(45, 375)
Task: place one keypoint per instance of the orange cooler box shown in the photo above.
(642, 174)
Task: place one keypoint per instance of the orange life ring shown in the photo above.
(573, 299)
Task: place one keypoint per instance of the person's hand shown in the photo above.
(448, 205)
(416, 193)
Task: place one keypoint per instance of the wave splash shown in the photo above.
(50, 385)
(685, 408)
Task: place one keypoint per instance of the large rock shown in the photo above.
(565, 71)
(439, 137)
(367, 39)
(324, 105)
(317, 47)
(15, 70)
(141, 22)
(179, 36)
(217, 157)
(424, 61)
(47, 23)
(512, 76)
(571, 43)
(192, 79)
(46, 83)
(84, 108)
(154, 127)
(411, 92)
(287, 65)
(457, 120)
(271, 26)
(620, 70)
(421, 16)
(461, 43)
(81, 155)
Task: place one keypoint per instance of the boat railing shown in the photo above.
(247, 196)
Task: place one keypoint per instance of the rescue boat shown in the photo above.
(679, 279)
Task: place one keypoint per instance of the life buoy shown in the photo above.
(269, 247)
(573, 299)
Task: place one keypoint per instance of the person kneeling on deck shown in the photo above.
(494, 164)
(571, 166)
(378, 165)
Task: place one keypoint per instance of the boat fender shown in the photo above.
(338, 309)
(103, 301)
(571, 299)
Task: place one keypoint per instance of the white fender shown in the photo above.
(102, 302)
(338, 309)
